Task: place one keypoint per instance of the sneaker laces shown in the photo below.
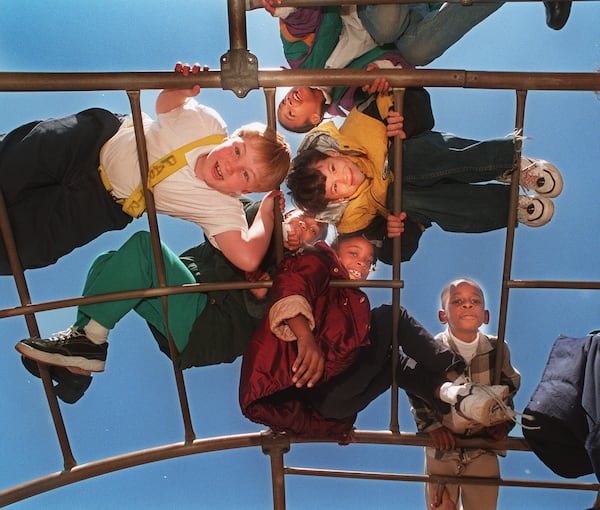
(531, 171)
(71, 332)
(507, 410)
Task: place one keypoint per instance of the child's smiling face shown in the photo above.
(230, 167)
(357, 255)
(306, 228)
(301, 106)
(342, 176)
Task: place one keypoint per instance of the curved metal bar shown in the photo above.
(171, 451)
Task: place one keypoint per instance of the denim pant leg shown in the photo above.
(427, 37)
(457, 206)
(132, 267)
(386, 22)
(433, 156)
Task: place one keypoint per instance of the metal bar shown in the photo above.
(257, 4)
(272, 124)
(398, 78)
(275, 446)
(172, 451)
(182, 289)
(552, 284)
(469, 480)
(396, 257)
(238, 39)
(510, 232)
(134, 98)
(270, 106)
(15, 265)
(34, 331)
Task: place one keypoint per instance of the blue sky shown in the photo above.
(133, 405)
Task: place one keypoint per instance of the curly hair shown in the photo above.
(306, 182)
(274, 154)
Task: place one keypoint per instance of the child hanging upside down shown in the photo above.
(207, 328)
(342, 177)
(66, 181)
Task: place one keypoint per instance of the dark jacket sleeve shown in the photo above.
(417, 112)
(418, 115)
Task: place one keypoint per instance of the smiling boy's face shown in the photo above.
(357, 255)
(342, 176)
(300, 106)
(230, 167)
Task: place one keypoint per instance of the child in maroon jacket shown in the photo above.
(320, 355)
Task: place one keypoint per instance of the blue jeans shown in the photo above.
(443, 178)
(421, 34)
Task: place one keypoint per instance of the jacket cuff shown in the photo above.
(287, 308)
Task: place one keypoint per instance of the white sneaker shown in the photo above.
(539, 176)
(534, 211)
(485, 404)
(450, 391)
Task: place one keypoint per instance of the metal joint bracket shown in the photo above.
(239, 71)
(274, 443)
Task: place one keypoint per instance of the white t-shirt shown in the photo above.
(354, 40)
(182, 194)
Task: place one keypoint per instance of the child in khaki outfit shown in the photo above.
(463, 309)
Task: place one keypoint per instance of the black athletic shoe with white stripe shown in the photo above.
(70, 348)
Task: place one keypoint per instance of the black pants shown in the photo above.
(54, 196)
(422, 366)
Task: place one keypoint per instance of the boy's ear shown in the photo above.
(486, 316)
(332, 153)
(442, 317)
(315, 119)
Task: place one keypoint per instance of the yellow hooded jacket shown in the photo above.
(363, 139)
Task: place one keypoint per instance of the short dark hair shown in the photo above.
(322, 225)
(306, 183)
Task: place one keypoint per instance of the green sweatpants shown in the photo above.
(132, 267)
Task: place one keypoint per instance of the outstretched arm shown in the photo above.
(246, 252)
(169, 99)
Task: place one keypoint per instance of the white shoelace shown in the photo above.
(508, 411)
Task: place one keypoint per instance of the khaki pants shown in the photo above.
(473, 497)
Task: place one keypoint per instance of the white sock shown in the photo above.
(96, 332)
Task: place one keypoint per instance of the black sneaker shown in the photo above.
(69, 387)
(70, 348)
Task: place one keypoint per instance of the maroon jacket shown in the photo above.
(341, 318)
